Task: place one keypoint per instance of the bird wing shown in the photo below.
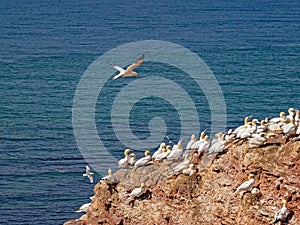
(90, 178)
(137, 63)
(120, 69)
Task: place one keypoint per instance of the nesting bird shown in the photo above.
(137, 191)
(124, 162)
(143, 161)
(247, 185)
(88, 174)
(191, 142)
(176, 151)
(282, 214)
(165, 152)
(110, 178)
(159, 150)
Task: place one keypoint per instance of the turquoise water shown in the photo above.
(252, 48)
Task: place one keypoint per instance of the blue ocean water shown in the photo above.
(45, 47)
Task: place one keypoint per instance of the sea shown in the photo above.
(252, 49)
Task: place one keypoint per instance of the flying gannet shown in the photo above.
(88, 174)
(247, 185)
(129, 70)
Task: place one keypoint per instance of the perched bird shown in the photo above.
(143, 161)
(110, 178)
(262, 127)
(189, 171)
(257, 139)
(132, 159)
(281, 214)
(289, 128)
(182, 165)
(176, 151)
(204, 146)
(218, 144)
(249, 131)
(245, 125)
(247, 185)
(129, 70)
(88, 174)
(201, 139)
(281, 118)
(137, 191)
(124, 162)
(165, 152)
(159, 150)
(83, 208)
(292, 113)
(191, 142)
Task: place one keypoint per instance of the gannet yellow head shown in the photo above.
(284, 203)
(164, 150)
(179, 145)
(168, 147)
(126, 152)
(262, 122)
(206, 138)
(291, 110)
(147, 153)
(246, 119)
(109, 172)
(282, 114)
(193, 137)
(162, 145)
(253, 123)
(202, 135)
(132, 155)
(250, 176)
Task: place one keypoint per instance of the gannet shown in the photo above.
(88, 174)
(247, 185)
(110, 178)
(249, 131)
(281, 118)
(191, 142)
(189, 171)
(132, 159)
(83, 208)
(129, 70)
(204, 146)
(257, 139)
(290, 127)
(176, 151)
(292, 113)
(230, 136)
(201, 139)
(262, 127)
(165, 152)
(143, 161)
(246, 121)
(124, 162)
(159, 150)
(137, 191)
(182, 165)
(281, 214)
(217, 144)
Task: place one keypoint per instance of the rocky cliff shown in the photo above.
(206, 197)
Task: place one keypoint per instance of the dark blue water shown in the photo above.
(251, 47)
